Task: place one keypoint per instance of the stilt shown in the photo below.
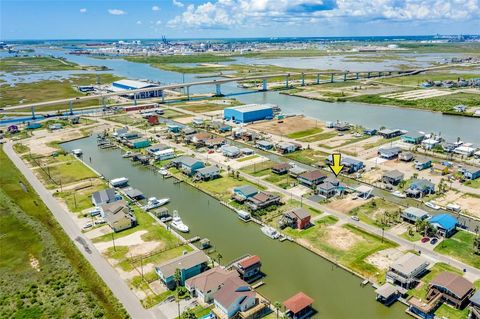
(162, 94)
(286, 80)
(358, 76)
(33, 112)
(71, 107)
(135, 99)
(264, 85)
(218, 91)
(303, 79)
(344, 77)
(368, 75)
(188, 92)
(318, 78)
(331, 78)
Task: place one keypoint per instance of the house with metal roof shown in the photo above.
(413, 214)
(445, 224)
(388, 133)
(413, 137)
(230, 151)
(422, 163)
(387, 294)
(287, 147)
(453, 289)
(393, 177)
(188, 165)
(470, 172)
(406, 156)
(419, 188)
(118, 215)
(189, 265)
(406, 270)
(299, 306)
(264, 145)
(208, 173)
(297, 218)
(389, 153)
(105, 196)
(242, 193)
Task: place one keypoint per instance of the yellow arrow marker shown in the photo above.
(336, 167)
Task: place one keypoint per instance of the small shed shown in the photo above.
(299, 306)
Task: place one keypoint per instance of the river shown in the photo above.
(289, 268)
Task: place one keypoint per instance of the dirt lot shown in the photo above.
(346, 204)
(289, 125)
(342, 238)
(384, 258)
(468, 203)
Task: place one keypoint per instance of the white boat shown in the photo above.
(117, 182)
(163, 171)
(270, 232)
(127, 154)
(178, 224)
(153, 203)
(77, 152)
(243, 215)
(432, 205)
(399, 194)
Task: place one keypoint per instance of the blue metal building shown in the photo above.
(248, 113)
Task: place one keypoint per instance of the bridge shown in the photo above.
(287, 78)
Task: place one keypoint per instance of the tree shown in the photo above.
(277, 306)
(219, 257)
(476, 245)
(188, 314)
(177, 276)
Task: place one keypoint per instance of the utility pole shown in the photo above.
(113, 241)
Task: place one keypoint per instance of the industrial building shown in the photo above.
(123, 85)
(249, 113)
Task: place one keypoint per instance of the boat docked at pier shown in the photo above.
(178, 224)
(270, 232)
(119, 182)
(153, 203)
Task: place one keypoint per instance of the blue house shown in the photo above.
(471, 172)
(370, 131)
(189, 265)
(33, 125)
(230, 151)
(413, 137)
(188, 165)
(244, 192)
(174, 128)
(249, 113)
(445, 224)
(423, 163)
(419, 188)
(264, 145)
(352, 165)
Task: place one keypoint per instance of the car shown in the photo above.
(434, 241)
(355, 218)
(100, 221)
(95, 212)
(425, 239)
(87, 226)
(399, 194)
(211, 151)
(432, 205)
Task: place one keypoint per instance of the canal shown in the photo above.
(289, 268)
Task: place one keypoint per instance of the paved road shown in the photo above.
(102, 267)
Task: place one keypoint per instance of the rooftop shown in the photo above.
(298, 302)
(233, 288)
(386, 290)
(182, 262)
(250, 107)
(408, 263)
(249, 261)
(453, 282)
(299, 212)
(210, 279)
(133, 84)
(313, 175)
(445, 221)
(395, 174)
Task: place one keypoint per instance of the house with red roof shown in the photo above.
(206, 284)
(311, 178)
(249, 268)
(299, 306)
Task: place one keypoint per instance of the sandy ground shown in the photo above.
(97, 232)
(336, 141)
(384, 258)
(237, 165)
(399, 229)
(137, 246)
(419, 94)
(289, 125)
(184, 120)
(38, 143)
(300, 190)
(346, 204)
(342, 238)
(372, 176)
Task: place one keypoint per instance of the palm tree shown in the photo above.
(219, 257)
(476, 245)
(277, 306)
(177, 276)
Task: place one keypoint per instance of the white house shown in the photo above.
(164, 154)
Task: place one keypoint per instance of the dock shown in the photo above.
(258, 284)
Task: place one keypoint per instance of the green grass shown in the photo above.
(258, 169)
(221, 188)
(380, 142)
(65, 173)
(51, 90)
(194, 58)
(373, 213)
(421, 290)
(415, 237)
(460, 246)
(20, 148)
(247, 158)
(308, 156)
(126, 119)
(206, 106)
(319, 137)
(300, 134)
(156, 259)
(473, 183)
(416, 80)
(78, 200)
(66, 286)
(35, 64)
(173, 114)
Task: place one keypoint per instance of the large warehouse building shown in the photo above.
(123, 85)
(249, 113)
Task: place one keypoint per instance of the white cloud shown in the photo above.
(116, 12)
(83, 10)
(228, 13)
(155, 8)
(139, 22)
(158, 22)
(178, 3)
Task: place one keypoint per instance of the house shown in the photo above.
(424, 309)
(430, 143)
(156, 148)
(230, 151)
(393, 177)
(143, 159)
(413, 214)
(247, 151)
(235, 299)
(445, 224)
(200, 138)
(174, 128)
(139, 143)
(206, 284)
(188, 165)
(133, 193)
(198, 121)
(326, 189)
(475, 306)
(351, 165)
(389, 153)
(187, 131)
(387, 133)
(419, 188)
(207, 173)
(453, 289)
(370, 131)
(262, 200)
(406, 270)
(405, 156)
(311, 178)
(189, 265)
(299, 306)
(463, 150)
(422, 163)
(471, 172)
(449, 147)
(214, 142)
(413, 137)
(287, 147)
(164, 154)
(280, 168)
(249, 268)
(264, 145)
(242, 193)
(297, 218)
(364, 191)
(387, 294)
(105, 196)
(296, 171)
(118, 215)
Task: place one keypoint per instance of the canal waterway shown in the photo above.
(289, 268)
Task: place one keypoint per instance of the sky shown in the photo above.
(137, 19)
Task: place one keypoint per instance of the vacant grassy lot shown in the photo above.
(308, 156)
(319, 137)
(35, 64)
(79, 198)
(51, 90)
(300, 134)
(65, 173)
(460, 246)
(42, 274)
(416, 80)
(221, 188)
(126, 119)
(378, 212)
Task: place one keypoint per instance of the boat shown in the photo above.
(118, 182)
(127, 154)
(77, 152)
(243, 215)
(270, 232)
(153, 203)
(399, 194)
(163, 171)
(432, 205)
(178, 224)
